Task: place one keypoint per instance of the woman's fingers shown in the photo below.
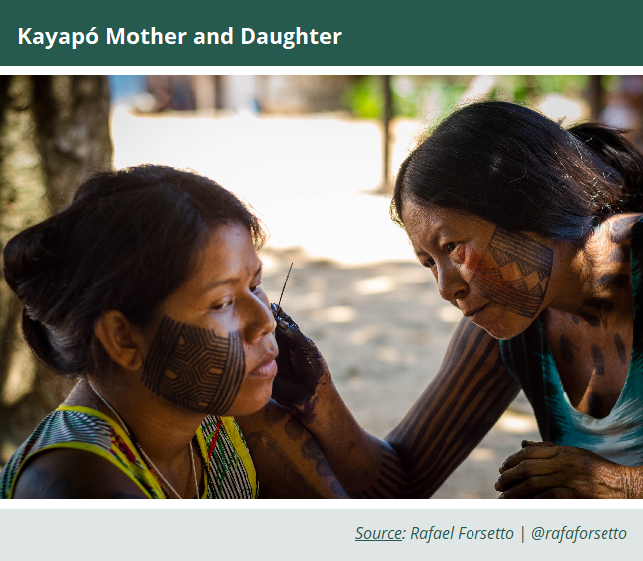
(540, 451)
(534, 485)
(524, 470)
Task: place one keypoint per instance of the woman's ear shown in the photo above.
(121, 340)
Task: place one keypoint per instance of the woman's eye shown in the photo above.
(255, 288)
(429, 263)
(449, 247)
(221, 305)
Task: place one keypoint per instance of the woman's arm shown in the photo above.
(463, 401)
(288, 460)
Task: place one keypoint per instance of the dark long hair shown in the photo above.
(128, 239)
(521, 171)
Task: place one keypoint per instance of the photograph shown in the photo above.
(307, 286)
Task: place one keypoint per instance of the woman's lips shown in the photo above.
(474, 311)
(267, 369)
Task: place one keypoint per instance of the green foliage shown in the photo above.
(365, 98)
(415, 96)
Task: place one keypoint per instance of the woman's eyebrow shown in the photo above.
(230, 280)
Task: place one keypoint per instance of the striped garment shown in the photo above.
(618, 436)
(229, 472)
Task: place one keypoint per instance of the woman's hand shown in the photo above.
(302, 370)
(542, 470)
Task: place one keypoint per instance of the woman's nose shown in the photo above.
(259, 319)
(451, 284)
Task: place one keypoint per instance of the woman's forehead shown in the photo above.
(228, 252)
(416, 216)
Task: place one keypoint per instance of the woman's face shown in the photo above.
(214, 349)
(497, 278)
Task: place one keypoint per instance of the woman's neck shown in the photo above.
(160, 428)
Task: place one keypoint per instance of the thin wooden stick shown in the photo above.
(282, 290)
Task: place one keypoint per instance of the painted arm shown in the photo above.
(288, 460)
(463, 401)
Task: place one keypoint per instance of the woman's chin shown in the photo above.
(253, 396)
(505, 327)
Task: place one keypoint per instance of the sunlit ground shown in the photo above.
(308, 178)
(355, 288)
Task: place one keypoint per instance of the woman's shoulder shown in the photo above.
(70, 452)
(620, 226)
(66, 473)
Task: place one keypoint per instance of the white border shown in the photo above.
(307, 504)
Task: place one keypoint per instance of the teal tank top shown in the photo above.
(617, 437)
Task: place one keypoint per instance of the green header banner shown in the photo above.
(328, 33)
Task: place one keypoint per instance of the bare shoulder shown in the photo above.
(619, 227)
(66, 473)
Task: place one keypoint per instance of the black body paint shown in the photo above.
(620, 255)
(599, 361)
(574, 318)
(274, 415)
(300, 368)
(602, 305)
(514, 272)
(297, 487)
(294, 429)
(567, 349)
(195, 368)
(620, 230)
(620, 349)
(310, 451)
(618, 280)
(591, 319)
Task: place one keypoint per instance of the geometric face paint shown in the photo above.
(195, 368)
(514, 272)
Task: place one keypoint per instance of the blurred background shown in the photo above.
(315, 156)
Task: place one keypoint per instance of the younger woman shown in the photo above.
(148, 289)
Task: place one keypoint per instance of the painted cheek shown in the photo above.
(194, 367)
(470, 259)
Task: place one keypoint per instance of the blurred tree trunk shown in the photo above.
(53, 131)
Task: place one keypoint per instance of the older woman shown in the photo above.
(147, 289)
(528, 230)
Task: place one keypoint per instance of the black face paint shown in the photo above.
(620, 349)
(195, 368)
(599, 361)
(514, 272)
